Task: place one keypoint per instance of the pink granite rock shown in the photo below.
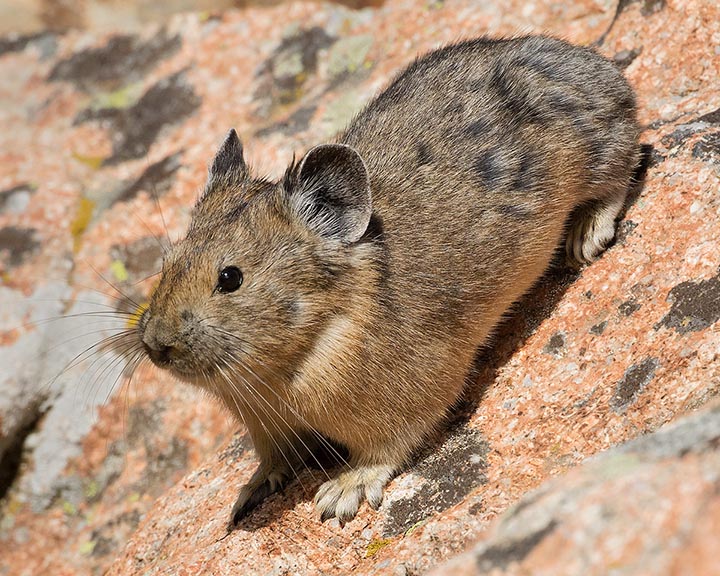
(104, 147)
(650, 506)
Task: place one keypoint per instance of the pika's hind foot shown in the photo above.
(592, 231)
(342, 496)
(263, 483)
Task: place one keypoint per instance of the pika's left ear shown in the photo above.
(228, 166)
(330, 192)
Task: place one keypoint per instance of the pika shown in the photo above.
(344, 303)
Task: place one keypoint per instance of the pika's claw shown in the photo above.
(342, 496)
(261, 485)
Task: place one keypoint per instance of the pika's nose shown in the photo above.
(156, 342)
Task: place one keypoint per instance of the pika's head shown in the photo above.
(263, 267)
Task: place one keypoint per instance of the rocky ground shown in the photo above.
(104, 144)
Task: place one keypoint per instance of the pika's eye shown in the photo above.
(229, 279)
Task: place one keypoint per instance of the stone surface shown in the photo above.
(650, 506)
(98, 172)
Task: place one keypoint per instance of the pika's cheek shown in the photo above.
(299, 312)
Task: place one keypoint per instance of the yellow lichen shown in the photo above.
(117, 268)
(92, 489)
(69, 508)
(86, 548)
(376, 545)
(13, 506)
(82, 220)
(414, 527)
(119, 99)
(93, 162)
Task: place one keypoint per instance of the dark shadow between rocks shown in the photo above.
(12, 449)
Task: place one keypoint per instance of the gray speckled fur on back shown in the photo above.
(475, 144)
(495, 107)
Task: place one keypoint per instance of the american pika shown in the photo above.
(345, 302)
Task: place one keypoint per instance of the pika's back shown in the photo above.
(494, 95)
(478, 152)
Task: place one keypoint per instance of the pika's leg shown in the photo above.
(592, 230)
(282, 452)
(267, 479)
(343, 495)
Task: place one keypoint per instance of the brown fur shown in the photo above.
(375, 268)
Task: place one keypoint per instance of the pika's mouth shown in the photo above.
(168, 352)
(160, 355)
(166, 359)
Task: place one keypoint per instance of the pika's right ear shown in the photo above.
(228, 166)
(329, 191)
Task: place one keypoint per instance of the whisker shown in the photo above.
(72, 301)
(292, 445)
(262, 424)
(113, 286)
(311, 453)
(162, 246)
(102, 345)
(323, 441)
(162, 216)
(136, 350)
(259, 396)
(141, 280)
(69, 339)
(327, 444)
(124, 316)
(114, 297)
(98, 375)
(310, 428)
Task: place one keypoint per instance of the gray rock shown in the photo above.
(55, 377)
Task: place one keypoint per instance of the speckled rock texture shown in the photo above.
(103, 149)
(649, 506)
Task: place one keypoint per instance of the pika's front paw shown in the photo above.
(342, 496)
(261, 485)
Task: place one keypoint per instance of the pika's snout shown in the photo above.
(157, 340)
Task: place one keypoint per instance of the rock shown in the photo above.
(648, 506)
(105, 474)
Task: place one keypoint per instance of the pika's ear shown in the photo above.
(228, 166)
(330, 191)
